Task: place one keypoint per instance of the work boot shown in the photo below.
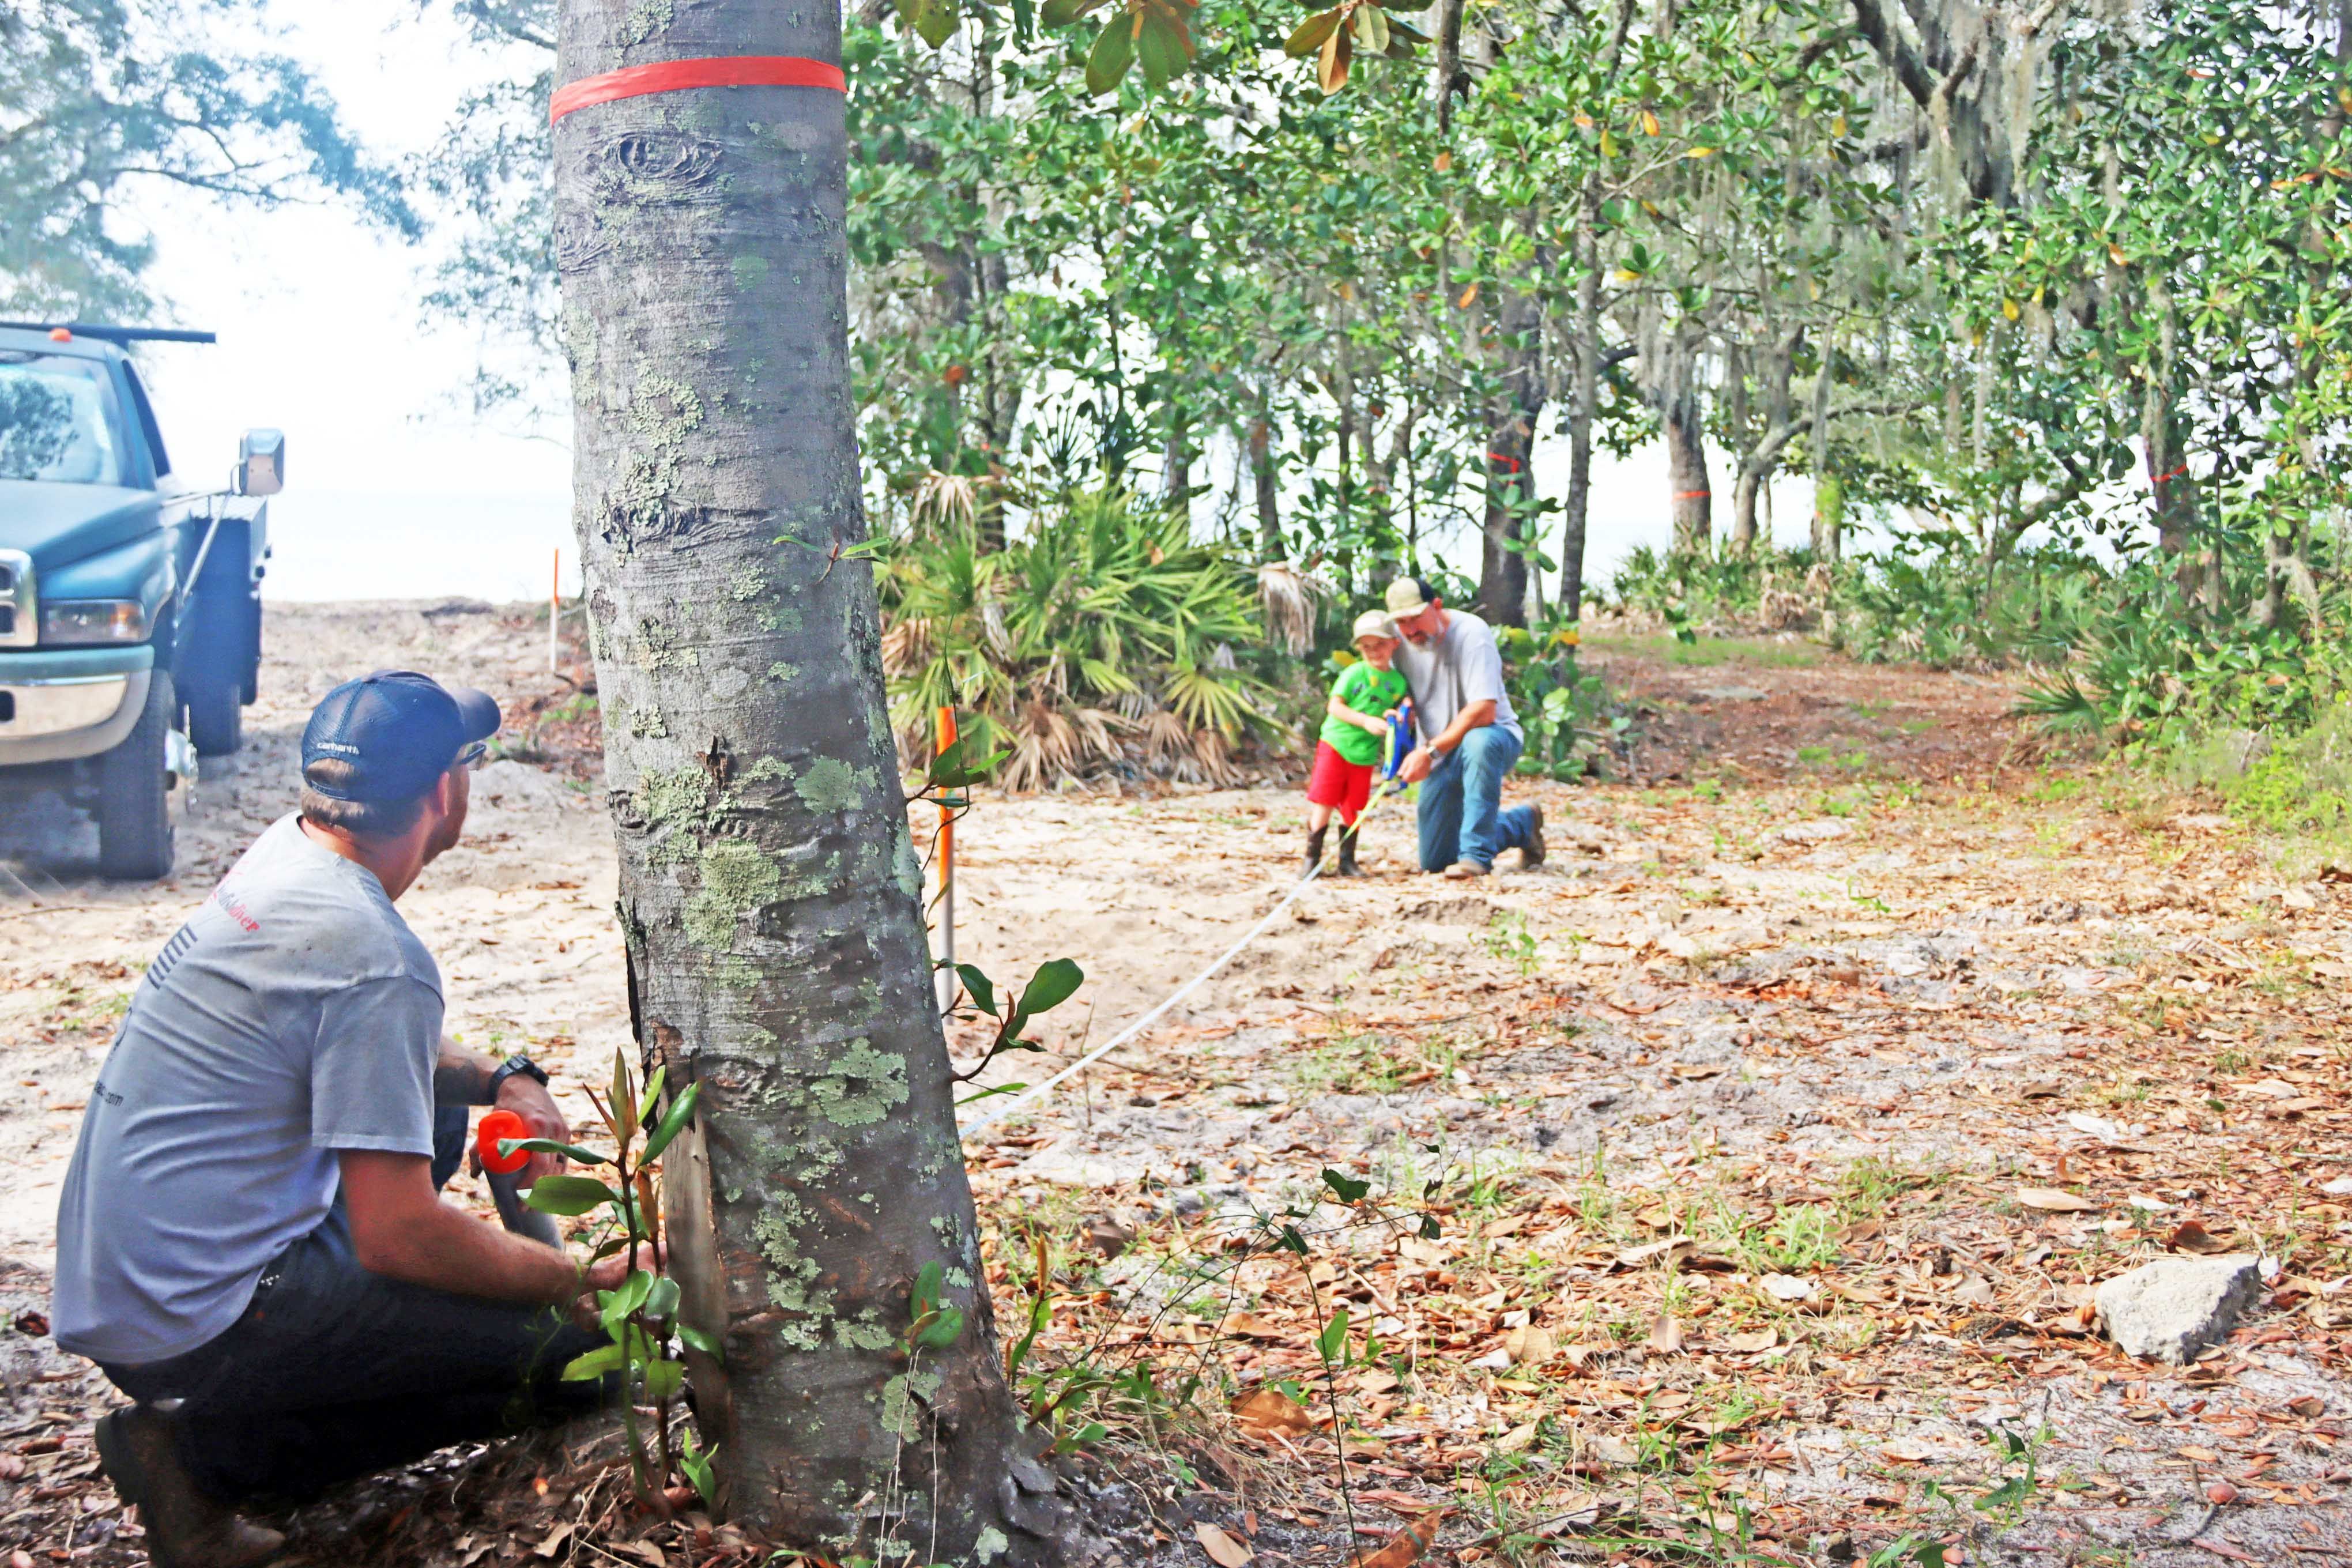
(1532, 856)
(1348, 866)
(185, 1529)
(1314, 850)
(1465, 871)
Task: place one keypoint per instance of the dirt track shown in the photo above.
(1835, 959)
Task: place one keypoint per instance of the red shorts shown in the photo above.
(1337, 781)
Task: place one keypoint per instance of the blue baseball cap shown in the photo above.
(398, 730)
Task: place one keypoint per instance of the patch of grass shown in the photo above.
(1708, 652)
(1871, 1185)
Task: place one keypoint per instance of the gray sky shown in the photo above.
(393, 490)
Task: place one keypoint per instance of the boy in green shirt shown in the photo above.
(1348, 753)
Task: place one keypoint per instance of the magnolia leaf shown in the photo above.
(1058, 979)
(572, 1152)
(1114, 52)
(1371, 27)
(663, 1379)
(1160, 45)
(570, 1195)
(1331, 64)
(695, 1338)
(595, 1364)
(661, 1299)
(673, 1122)
(1062, 13)
(941, 1331)
(1649, 123)
(1308, 35)
(1223, 1549)
(981, 989)
(935, 23)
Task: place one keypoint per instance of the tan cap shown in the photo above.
(1374, 624)
(1404, 597)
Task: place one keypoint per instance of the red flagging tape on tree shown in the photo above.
(675, 76)
(1691, 495)
(1505, 457)
(2167, 478)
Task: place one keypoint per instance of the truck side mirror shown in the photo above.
(262, 463)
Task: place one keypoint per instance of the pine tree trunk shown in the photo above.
(768, 888)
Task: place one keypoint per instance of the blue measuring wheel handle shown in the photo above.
(1400, 739)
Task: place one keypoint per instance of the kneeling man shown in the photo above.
(252, 1243)
(1469, 737)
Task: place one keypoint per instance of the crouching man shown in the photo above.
(252, 1242)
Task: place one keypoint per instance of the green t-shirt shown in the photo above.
(1367, 690)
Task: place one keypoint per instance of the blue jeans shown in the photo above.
(334, 1372)
(1462, 814)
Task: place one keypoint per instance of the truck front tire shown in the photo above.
(134, 819)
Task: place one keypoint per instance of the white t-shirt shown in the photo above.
(1459, 668)
(295, 1015)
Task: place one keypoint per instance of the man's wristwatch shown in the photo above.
(507, 1070)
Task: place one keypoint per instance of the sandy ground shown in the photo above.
(1840, 952)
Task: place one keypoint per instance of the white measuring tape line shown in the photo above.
(1031, 1096)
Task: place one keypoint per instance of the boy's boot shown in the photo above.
(1314, 850)
(1348, 866)
(185, 1529)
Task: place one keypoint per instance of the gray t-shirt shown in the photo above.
(1461, 667)
(294, 1014)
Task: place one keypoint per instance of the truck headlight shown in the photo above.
(93, 620)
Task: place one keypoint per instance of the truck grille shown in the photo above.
(20, 610)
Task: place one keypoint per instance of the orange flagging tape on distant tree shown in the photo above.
(675, 76)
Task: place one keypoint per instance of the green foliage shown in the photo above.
(103, 95)
(640, 1315)
(1103, 639)
(1564, 711)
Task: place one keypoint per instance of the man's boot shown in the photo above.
(185, 1529)
(1532, 854)
(1314, 850)
(1348, 866)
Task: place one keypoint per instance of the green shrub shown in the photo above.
(1106, 639)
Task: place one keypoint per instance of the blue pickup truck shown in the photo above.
(129, 600)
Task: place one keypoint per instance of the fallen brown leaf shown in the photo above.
(2054, 1201)
(1665, 1335)
(1398, 1502)
(1751, 1344)
(1249, 1325)
(2190, 1236)
(1270, 1409)
(1223, 1549)
(1407, 1544)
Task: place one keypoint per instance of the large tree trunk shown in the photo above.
(1669, 371)
(769, 889)
(1691, 488)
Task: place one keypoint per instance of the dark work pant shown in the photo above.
(334, 1372)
